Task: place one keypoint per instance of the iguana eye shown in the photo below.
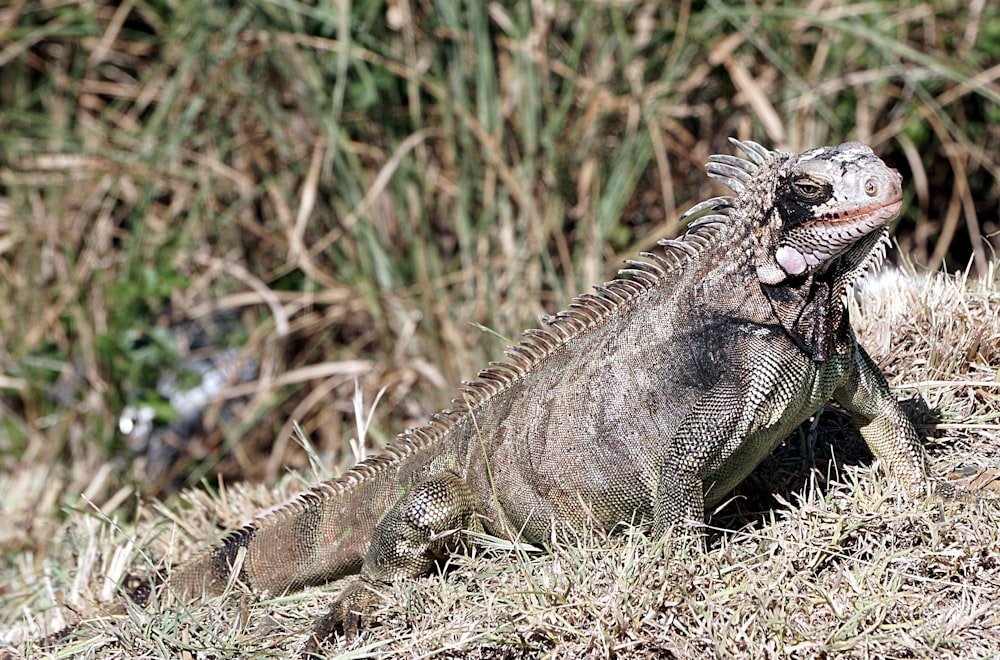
(808, 189)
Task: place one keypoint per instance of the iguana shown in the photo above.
(648, 399)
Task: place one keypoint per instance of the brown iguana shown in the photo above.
(646, 400)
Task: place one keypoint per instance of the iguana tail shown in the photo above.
(321, 535)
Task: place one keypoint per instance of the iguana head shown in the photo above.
(824, 206)
(828, 199)
(808, 226)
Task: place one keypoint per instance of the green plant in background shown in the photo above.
(358, 183)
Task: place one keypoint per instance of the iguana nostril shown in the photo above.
(871, 187)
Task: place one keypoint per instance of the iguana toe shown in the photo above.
(347, 616)
(968, 481)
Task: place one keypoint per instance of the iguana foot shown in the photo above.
(966, 482)
(347, 616)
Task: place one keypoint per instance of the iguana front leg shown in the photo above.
(886, 430)
(712, 429)
(421, 527)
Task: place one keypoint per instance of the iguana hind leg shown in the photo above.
(424, 525)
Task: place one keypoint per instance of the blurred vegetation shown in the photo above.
(360, 183)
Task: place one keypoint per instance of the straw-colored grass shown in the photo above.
(835, 564)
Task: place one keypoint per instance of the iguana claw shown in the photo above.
(347, 615)
(970, 481)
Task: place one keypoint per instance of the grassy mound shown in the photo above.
(815, 556)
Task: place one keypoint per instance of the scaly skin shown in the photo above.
(649, 399)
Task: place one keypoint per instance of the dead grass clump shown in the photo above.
(842, 567)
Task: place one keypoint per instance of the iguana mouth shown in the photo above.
(884, 212)
(864, 220)
(823, 240)
(887, 211)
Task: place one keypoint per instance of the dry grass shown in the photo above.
(839, 565)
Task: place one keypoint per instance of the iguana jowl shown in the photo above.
(648, 399)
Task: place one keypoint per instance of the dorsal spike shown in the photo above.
(705, 222)
(722, 204)
(736, 185)
(525, 351)
(727, 173)
(610, 293)
(754, 151)
(734, 161)
(639, 275)
(645, 266)
(679, 245)
(628, 288)
(539, 337)
(600, 302)
(661, 260)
